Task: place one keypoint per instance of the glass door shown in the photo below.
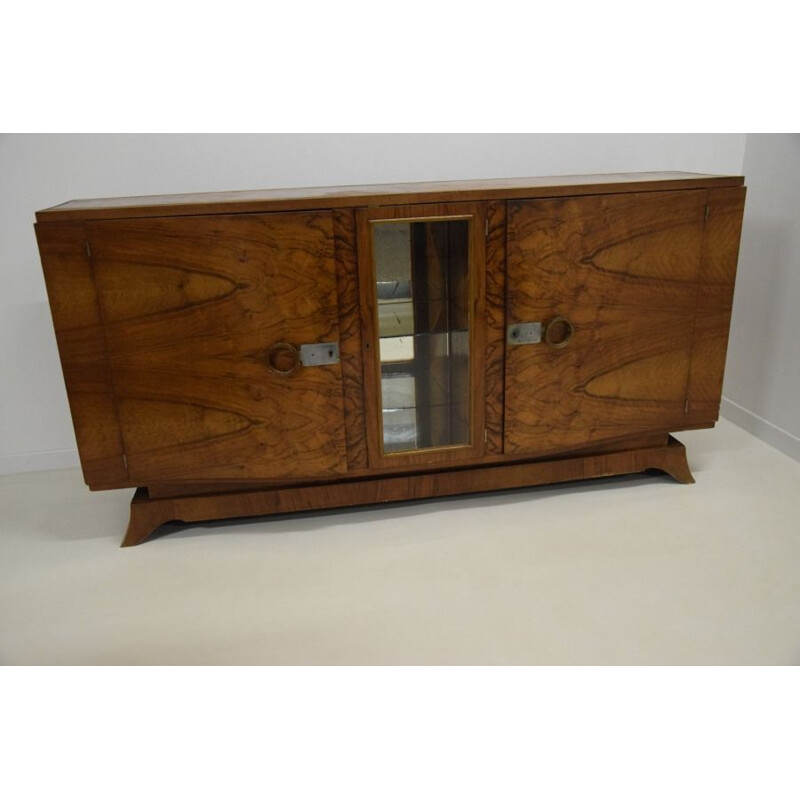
(422, 275)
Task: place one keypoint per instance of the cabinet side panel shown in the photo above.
(714, 303)
(82, 349)
(495, 324)
(344, 232)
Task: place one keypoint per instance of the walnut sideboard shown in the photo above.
(248, 353)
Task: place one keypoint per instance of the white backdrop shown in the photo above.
(37, 171)
(762, 379)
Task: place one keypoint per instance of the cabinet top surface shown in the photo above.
(325, 197)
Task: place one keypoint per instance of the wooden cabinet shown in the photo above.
(252, 353)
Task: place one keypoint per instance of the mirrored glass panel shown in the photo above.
(423, 290)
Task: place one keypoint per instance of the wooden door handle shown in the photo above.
(558, 332)
(283, 358)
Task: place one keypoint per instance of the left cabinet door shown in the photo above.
(204, 318)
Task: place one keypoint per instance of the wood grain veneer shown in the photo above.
(495, 325)
(148, 514)
(179, 321)
(81, 339)
(192, 307)
(381, 194)
(714, 303)
(624, 270)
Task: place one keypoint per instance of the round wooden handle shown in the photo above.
(283, 358)
(558, 332)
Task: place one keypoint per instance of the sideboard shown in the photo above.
(248, 353)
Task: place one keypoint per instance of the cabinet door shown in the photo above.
(203, 318)
(422, 302)
(617, 276)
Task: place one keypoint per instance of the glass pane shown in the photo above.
(422, 274)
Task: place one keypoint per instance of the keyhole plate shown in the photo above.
(317, 355)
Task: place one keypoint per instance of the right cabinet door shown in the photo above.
(613, 282)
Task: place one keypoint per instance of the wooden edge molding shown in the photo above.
(328, 197)
(149, 514)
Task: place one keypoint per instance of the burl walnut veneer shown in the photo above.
(253, 353)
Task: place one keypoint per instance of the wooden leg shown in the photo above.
(147, 513)
(146, 516)
(674, 463)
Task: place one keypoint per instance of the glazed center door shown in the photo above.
(601, 299)
(205, 319)
(421, 277)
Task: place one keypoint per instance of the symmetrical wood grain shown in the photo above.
(327, 197)
(192, 307)
(168, 310)
(148, 514)
(495, 325)
(82, 348)
(344, 230)
(714, 303)
(180, 489)
(624, 270)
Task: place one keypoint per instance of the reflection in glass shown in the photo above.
(422, 274)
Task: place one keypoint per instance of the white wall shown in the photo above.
(42, 170)
(762, 376)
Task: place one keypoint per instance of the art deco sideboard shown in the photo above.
(250, 353)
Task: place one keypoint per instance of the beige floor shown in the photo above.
(631, 570)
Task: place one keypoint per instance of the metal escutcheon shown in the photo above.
(556, 333)
(317, 355)
(524, 333)
(284, 358)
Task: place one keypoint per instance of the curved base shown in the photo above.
(148, 514)
(674, 463)
(146, 517)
